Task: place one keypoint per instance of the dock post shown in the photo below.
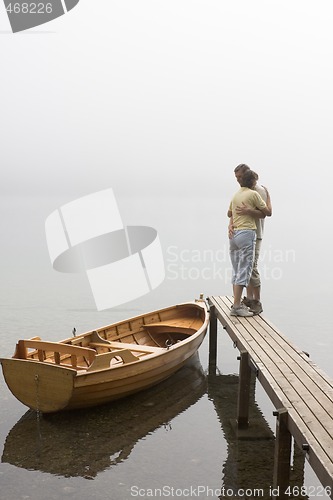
(243, 391)
(281, 476)
(212, 339)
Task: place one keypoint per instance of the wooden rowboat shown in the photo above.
(105, 364)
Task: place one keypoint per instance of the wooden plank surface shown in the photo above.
(291, 380)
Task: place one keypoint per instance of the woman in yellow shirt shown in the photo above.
(243, 240)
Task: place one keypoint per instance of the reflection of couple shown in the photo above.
(247, 210)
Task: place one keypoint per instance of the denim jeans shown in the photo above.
(242, 255)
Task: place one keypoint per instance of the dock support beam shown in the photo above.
(281, 477)
(212, 340)
(243, 391)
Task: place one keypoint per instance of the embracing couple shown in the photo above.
(247, 210)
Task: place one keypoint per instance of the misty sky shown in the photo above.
(168, 96)
(165, 98)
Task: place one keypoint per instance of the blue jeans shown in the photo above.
(242, 254)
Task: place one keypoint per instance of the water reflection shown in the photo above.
(250, 453)
(84, 443)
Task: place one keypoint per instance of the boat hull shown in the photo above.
(98, 388)
(39, 386)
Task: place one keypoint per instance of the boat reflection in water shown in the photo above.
(86, 442)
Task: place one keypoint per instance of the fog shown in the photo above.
(160, 101)
(169, 97)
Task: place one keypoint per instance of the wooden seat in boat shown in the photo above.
(98, 341)
(72, 353)
(103, 361)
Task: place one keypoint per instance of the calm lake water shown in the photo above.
(175, 440)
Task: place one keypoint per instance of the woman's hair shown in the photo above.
(248, 179)
(241, 167)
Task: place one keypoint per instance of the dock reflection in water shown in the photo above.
(87, 442)
(250, 452)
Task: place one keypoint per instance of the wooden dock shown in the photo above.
(301, 393)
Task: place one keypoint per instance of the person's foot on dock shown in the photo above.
(240, 311)
(256, 307)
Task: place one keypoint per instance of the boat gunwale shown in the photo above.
(197, 304)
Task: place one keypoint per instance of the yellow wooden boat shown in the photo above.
(105, 364)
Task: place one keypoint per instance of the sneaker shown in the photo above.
(256, 307)
(247, 302)
(240, 311)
